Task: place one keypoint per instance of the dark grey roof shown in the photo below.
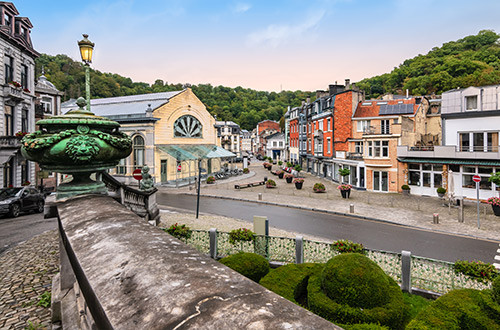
(124, 105)
(43, 83)
(395, 109)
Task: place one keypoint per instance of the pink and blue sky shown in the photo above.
(264, 45)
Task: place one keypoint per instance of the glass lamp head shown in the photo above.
(86, 48)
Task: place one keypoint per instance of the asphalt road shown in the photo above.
(372, 234)
(16, 230)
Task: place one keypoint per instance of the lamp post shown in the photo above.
(86, 48)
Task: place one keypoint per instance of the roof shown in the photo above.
(44, 83)
(194, 152)
(277, 135)
(226, 123)
(389, 107)
(124, 105)
(481, 162)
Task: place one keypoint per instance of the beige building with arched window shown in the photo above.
(171, 132)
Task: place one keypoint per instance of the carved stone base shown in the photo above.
(80, 185)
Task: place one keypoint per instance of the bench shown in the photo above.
(246, 185)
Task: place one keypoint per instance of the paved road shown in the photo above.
(373, 234)
(20, 229)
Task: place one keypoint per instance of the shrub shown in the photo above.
(278, 172)
(210, 179)
(241, 235)
(346, 246)
(459, 309)
(441, 190)
(270, 183)
(298, 180)
(298, 168)
(405, 187)
(250, 265)
(288, 164)
(246, 170)
(280, 162)
(26, 183)
(45, 299)
(495, 289)
(319, 187)
(481, 271)
(344, 171)
(363, 326)
(179, 231)
(290, 281)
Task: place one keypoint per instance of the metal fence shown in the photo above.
(422, 273)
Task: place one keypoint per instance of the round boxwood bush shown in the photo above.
(250, 265)
(495, 289)
(353, 289)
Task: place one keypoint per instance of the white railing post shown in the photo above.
(299, 250)
(213, 243)
(406, 271)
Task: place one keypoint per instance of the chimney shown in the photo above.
(347, 83)
(149, 111)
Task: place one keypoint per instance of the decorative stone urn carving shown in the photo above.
(78, 143)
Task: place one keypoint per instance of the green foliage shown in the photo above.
(179, 231)
(210, 179)
(481, 271)
(460, 309)
(250, 265)
(344, 171)
(471, 61)
(441, 190)
(241, 235)
(246, 170)
(270, 183)
(298, 168)
(363, 326)
(35, 326)
(288, 164)
(495, 289)
(415, 303)
(495, 178)
(290, 281)
(319, 187)
(346, 246)
(405, 187)
(45, 299)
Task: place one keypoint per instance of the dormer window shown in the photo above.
(24, 32)
(7, 19)
(471, 102)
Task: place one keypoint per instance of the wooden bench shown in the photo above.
(246, 185)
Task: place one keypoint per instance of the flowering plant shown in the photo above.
(319, 187)
(344, 186)
(179, 231)
(210, 179)
(278, 172)
(241, 235)
(346, 246)
(267, 165)
(493, 201)
(10, 186)
(298, 180)
(26, 90)
(246, 170)
(287, 176)
(26, 183)
(481, 271)
(15, 83)
(270, 183)
(21, 134)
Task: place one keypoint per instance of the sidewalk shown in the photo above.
(416, 211)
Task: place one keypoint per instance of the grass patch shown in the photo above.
(416, 303)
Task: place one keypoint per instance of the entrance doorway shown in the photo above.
(163, 170)
(380, 181)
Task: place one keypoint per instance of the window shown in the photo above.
(9, 69)
(274, 144)
(385, 126)
(46, 104)
(329, 145)
(188, 126)
(464, 142)
(7, 19)
(328, 126)
(138, 153)
(478, 141)
(363, 125)
(281, 144)
(492, 141)
(24, 120)
(358, 147)
(376, 149)
(25, 172)
(9, 121)
(471, 102)
(24, 76)
(320, 123)
(370, 149)
(385, 148)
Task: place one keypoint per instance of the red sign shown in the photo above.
(179, 168)
(476, 178)
(137, 174)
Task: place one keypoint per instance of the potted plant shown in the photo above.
(270, 184)
(345, 190)
(441, 191)
(280, 162)
(298, 183)
(495, 204)
(288, 164)
(288, 178)
(406, 189)
(495, 178)
(298, 168)
(344, 172)
(210, 180)
(246, 170)
(319, 188)
(280, 174)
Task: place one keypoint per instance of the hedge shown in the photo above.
(250, 265)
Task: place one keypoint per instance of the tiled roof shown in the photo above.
(372, 108)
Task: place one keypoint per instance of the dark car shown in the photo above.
(13, 201)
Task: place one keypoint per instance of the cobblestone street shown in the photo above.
(25, 275)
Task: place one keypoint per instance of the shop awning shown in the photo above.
(194, 152)
(478, 162)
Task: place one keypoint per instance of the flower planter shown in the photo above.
(269, 168)
(345, 193)
(496, 210)
(406, 192)
(270, 186)
(298, 185)
(440, 195)
(281, 175)
(289, 180)
(319, 190)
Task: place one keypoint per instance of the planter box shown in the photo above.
(345, 193)
(298, 185)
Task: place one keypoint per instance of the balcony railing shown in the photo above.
(422, 148)
(13, 93)
(477, 148)
(376, 130)
(10, 141)
(354, 155)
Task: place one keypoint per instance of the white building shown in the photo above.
(228, 136)
(17, 100)
(275, 146)
(246, 141)
(470, 130)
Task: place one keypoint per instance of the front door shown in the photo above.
(380, 181)
(163, 170)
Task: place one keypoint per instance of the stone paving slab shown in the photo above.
(25, 274)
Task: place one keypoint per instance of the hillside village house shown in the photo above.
(17, 101)
(470, 129)
(228, 136)
(170, 133)
(246, 142)
(264, 129)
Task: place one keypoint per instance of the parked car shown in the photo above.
(15, 200)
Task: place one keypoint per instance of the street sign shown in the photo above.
(137, 174)
(476, 178)
(179, 168)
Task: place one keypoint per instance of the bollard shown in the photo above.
(213, 243)
(260, 196)
(299, 250)
(406, 271)
(351, 208)
(435, 218)
(461, 215)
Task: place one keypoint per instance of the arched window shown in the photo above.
(188, 126)
(138, 152)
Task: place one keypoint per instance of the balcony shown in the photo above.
(9, 145)
(377, 130)
(454, 152)
(15, 94)
(354, 155)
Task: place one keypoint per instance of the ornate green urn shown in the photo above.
(78, 143)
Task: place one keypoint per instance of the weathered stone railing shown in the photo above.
(143, 203)
(118, 272)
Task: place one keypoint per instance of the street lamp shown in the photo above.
(86, 48)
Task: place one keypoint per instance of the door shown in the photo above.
(163, 170)
(380, 181)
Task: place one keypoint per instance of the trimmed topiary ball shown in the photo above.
(495, 289)
(355, 280)
(250, 265)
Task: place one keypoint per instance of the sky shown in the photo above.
(270, 45)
